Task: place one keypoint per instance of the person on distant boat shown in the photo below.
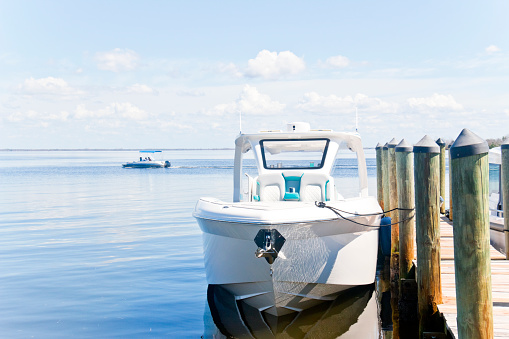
(141, 159)
(149, 159)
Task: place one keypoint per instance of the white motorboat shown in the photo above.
(148, 161)
(279, 246)
(497, 238)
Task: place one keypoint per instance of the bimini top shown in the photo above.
(295, 132)
(495, 155)
(297, 151)
(147, 151)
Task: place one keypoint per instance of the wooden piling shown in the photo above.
(450, 188)
(441, 144)
(393, 192)
(471, 228)
(385, 177)
(427, 220)
(504, 178)
(379, 175)
(405, 179)
(407, 303)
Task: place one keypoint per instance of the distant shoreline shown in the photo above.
(116, 149)
(109, 149)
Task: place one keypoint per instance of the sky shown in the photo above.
(180, 74)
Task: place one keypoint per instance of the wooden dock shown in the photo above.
(500, 284)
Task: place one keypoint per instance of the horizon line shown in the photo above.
(117, 149)
(110, 149)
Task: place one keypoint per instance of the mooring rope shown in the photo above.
(338, 212)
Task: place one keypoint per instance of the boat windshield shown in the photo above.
(294, 153)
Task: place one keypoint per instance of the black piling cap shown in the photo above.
(392, 143)
(440, 142)
(378, 146)
(505, 144)
(426, 145)
(404, 146)
(467, 144)
(385, 146)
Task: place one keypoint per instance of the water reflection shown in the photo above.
(353, 314)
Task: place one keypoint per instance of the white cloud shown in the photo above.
(48, 86)
(61, 116)
(332, 104)
(35, 116)
(272, 65)
(190, 93)
(171, 125)
(313, 102)
(492, 49)
(363, 102)
(117, 60)
(337, 61)
(129, 111)
(436, 102)
(123, 110)
(140, 88)
(21, 116)
(250, 102)
(82, 113)
(231, 69)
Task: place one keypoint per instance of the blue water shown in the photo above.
(91, 249)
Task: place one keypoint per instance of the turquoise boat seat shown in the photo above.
(294, 186)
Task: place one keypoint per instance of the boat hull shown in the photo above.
(146, 164)
(497, 236)
(319, 258)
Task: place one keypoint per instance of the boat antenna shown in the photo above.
(356, 120)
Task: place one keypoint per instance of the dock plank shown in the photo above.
(499, 281)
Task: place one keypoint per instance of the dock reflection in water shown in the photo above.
(353, 314)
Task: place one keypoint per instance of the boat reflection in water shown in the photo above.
(353, 314)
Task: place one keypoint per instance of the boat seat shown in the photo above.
(292, 185)
(317, 187)
(270, 187)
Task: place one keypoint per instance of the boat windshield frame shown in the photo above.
(321, 164)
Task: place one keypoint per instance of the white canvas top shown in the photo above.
(495, 155)
(300, 139)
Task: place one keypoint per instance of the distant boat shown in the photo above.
(148, 161)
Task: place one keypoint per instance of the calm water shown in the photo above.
(90, 249)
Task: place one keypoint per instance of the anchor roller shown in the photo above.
(269, 244)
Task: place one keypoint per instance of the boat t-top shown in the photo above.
(289, 239)
(147, 161)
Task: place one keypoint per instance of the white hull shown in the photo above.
(497, 237)
(321, 256)
(146, 164)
